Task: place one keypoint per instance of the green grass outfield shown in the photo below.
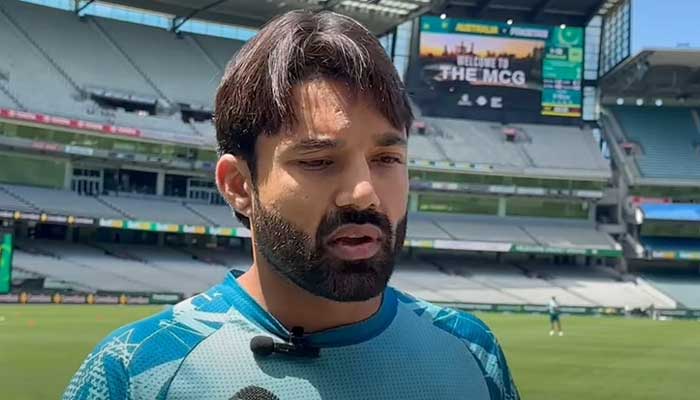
(597, 358)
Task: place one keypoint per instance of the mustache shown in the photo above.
(344, 216)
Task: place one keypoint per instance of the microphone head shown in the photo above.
(254, 393)
(262, 345)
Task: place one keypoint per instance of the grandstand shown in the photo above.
(680, 285)
(651, 121)
(680, 144)
(441, 278)
(507, 211)
(537, 150)
(109, 267)
(436, 226)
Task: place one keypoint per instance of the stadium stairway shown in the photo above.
(115, 208)
(236, 258)
(682, 286)
(201, 215)
(12, 98)
(103, 32)
(72, 266)
(39, 48)
(12, 201)
(449, 267)
(569, 298)
(665, 135)
(204, 53)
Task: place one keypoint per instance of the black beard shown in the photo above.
(308, 263)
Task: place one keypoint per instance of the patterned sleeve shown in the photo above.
(478, 339)
(485, 347)
(103, 375)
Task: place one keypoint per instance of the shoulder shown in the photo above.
(460, 324)
(477, 337)
(144, 355)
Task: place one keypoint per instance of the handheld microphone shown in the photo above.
(254, 393)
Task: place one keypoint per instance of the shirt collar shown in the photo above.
(340, 336)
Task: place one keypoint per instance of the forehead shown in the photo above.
(329, 108)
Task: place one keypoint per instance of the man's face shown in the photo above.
(329, 204)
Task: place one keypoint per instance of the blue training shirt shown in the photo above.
(200, 349)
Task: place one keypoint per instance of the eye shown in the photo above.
(386, 159)
(314, 165)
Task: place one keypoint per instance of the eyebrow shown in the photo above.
(313, 145)
(390, 139)
(387, 139)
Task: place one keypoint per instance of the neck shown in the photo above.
(294, 306)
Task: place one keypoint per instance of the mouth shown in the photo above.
(354, 242)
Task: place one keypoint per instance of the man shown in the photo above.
(554, 322)
(312, 125)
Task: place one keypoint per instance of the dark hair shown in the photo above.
(255, 94)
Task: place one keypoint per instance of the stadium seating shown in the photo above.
(79, 49)
(452, 278)
(519, 230)
(485, 229)
(561, 235)
(205, 129)
(171, 124)
(151, 208)
(13, 203)
(508, 280)
(61, 202)
(562, 147)
(189, 68)
(220, 50)
(426, 281)
(5, 100)
(683, 286)
(215, 215)
(422, 227)
(664, 135)
(515, 230)
(177, 270)
(600, 286)
(47, 49)
(113, 267)
(538, 149)
(27, 69)
(75, 276)
(476, 142)
(232, 257)
(436, 277)
(189, 78)
(422, 148)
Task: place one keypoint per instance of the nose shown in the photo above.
(357, 190)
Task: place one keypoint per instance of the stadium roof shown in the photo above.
(377, 15)
(571, 12)
(671, 212)
(672, 75)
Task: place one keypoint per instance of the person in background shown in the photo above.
(554, 320)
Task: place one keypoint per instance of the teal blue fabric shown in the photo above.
(200, 349)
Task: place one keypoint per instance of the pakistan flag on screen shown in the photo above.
(5, 262)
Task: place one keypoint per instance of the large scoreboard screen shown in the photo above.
(5, 262)
(467, 65)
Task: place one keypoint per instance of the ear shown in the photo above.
(234, 183)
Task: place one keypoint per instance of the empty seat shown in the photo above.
(155, 210)
(63, 202)
(668, 138)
